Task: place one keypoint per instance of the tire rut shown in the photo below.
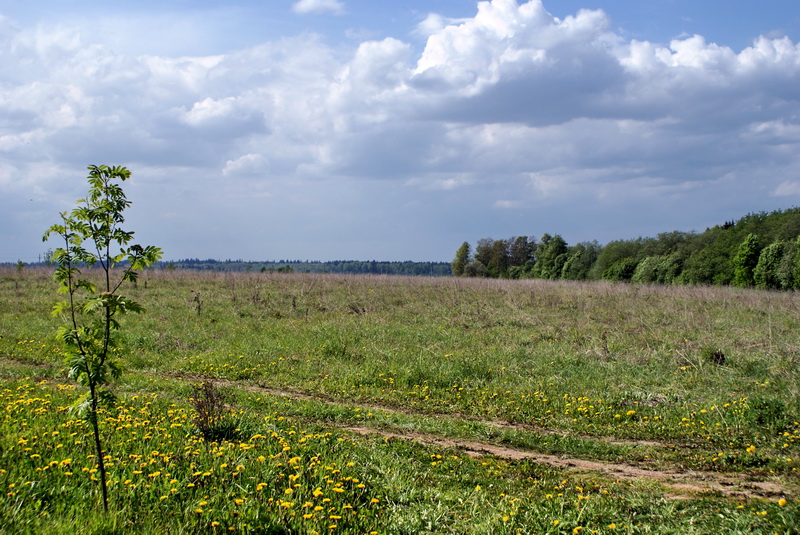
(678, 484)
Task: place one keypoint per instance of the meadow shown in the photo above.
(376, 404)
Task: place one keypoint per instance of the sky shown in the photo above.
(396, 130)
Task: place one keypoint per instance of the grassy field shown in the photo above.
(412, 405)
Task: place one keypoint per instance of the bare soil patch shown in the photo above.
(677, 484)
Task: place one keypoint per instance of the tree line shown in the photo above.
(374, 267)
(760, 250)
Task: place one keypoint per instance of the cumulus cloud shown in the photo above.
(510, 104)
(318, 6)
(248, 165)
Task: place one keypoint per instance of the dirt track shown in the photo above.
(678, 484)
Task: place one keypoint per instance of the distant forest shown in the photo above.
(435, 269)
(759, 250)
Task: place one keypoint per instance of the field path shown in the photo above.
(677, 483)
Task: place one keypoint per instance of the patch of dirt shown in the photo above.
(678, 484)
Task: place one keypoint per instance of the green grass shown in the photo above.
(599, 372)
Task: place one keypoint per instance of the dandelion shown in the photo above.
(782, 502)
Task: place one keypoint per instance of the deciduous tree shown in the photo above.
(91, 236)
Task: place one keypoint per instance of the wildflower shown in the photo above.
(782, 502)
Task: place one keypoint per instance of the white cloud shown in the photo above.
(248, 165)
(787, 189)
(511, 104)
(318, 6)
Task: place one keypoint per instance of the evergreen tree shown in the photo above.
(499, 261)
